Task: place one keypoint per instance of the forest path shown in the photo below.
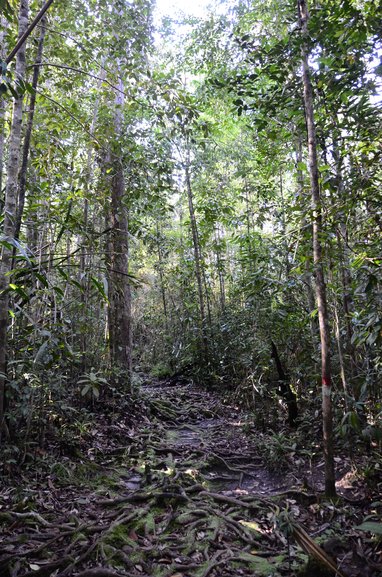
(205, 437)
(174, 488)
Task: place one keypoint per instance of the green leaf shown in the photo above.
(42, 279)
(99, 286)
(7, 9)
(41, 353)
(58, 290)
(85, 390)
(371, 527)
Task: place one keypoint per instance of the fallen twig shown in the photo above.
(100, 572)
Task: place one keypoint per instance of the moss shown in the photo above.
(146, 522)
(5, 517)
(119, 536)
(261, 566)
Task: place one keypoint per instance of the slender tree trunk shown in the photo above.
(161, 277)
(10, 207)
(33, 217)
(2, 139)
(84, 240)
(109, 324)
(287, 265)
(3, 25)
(220, 267)
(285, 389)
(28, 132)
(330, 488)
(207, 291)
(83, 280)
(120, 290)
(307, 276)
(344, 262)
(198, 269)
(250, 224)
(340, 353)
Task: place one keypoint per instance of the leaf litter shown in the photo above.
(173, 484)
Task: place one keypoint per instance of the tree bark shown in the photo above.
(198, 269)
(287, 265)
(10, 202)
(28, 132)
(3, 25)
(285, 389)
(220, 268)
(320, 284)
(307, 276)
(28, 136)
(84, 238)
(120, 337)
(341, 359)
(161, 277)
(344, 261)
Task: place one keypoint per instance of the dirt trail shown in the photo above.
(210, 436)
(171, 486)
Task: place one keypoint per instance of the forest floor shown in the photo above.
(173, 484)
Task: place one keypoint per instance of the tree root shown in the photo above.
(231, 468)
(231, 500)
(100, 572)
(173, 524)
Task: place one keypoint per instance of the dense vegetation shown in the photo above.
(205, 205)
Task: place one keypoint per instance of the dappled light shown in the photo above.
(190, 288)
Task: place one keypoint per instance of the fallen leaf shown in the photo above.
(251, 525)
(133, 535)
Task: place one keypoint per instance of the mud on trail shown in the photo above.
(171, 485)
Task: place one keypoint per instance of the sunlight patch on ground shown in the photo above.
(346, 482)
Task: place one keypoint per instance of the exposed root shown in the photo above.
(151, 507)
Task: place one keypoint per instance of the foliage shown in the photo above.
(93, 382)
(212, 154)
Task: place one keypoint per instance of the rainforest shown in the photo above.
(190, 288)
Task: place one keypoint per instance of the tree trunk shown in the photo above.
(161, 277)
(220, 268)
(307, 276)
(198, 269)
(285, 389)
(84, 238)
(330, 488)
(3, 26)
(28, 132)
(10, 207)
(2, 119)
(287, 265)
(344, 260)
(341, 359)
(119, 285)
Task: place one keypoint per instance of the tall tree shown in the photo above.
(10, 204)
(120, 334)
(320, 285)
(28, 131)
